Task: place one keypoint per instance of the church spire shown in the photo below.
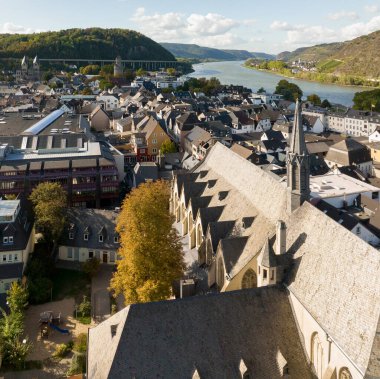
(298, 165)
(298, 144)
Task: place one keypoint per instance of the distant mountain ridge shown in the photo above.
(360, 56)
(192, 51)
(96, 43)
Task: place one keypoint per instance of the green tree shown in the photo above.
(168, 147)
(86, 91)
(151, 249)
(140, 72)
(84, 307)
(290, 91)
(17, 297)
(171, 71)
(261, 90)
(107, 70)
(325, 104)
(47, 76)
(314, 99)
(367, 100)
(40, 290)
(49, 203)
(16, 350)
(91, 266)
(11, 325)
(92, 69)
(105, 85)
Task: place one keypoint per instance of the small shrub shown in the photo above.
(91, 266)
(80, 343)
(84, 307)
(63, 349)
(78, 364)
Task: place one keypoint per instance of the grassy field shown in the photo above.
(329, 65)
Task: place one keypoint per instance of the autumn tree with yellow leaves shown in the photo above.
(150, 248)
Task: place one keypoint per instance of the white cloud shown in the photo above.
(211, 29)
(11, 28)
(360, 28)
(211, 24)
(343, 15)
(281, 25)
(310, 35)
(305, 35)
(372, 8)
(221, 40)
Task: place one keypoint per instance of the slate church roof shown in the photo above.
(335, 276)
(212, 334)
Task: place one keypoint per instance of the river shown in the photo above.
(235, 73)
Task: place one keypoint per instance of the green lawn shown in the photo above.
(70, 283)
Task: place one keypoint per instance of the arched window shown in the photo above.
(199, 235)
(209, 252)
(220, 274)
(317, 354)
(249, 279)
(344, 373)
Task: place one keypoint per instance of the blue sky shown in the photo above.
(268, 26)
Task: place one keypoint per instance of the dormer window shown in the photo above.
(85, 237)
(71, 236)
(100, 238)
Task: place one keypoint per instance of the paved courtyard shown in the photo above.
(100, 296)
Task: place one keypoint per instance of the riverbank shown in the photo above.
(322, 78)
(233, 72)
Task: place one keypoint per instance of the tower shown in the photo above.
(24, 67)
(36, 68)
(118, 67)
(298, 165)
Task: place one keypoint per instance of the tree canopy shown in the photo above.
(94, 43)
(290, 91)
(151, 250)
(367, 100)
(49, 203)
(14, 346)
(314, 99)
(325, 104)
(208, 86)
(168, 147)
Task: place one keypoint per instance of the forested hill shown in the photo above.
(192, 51)
(360, 56)
(89, 43)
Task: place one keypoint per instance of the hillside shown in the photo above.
(313, 53)
(358, 57)
(192, 51)
(93, 43)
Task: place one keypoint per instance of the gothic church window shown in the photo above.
(249, 279)
(344, 373)
(317, 354)
(220, 274)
